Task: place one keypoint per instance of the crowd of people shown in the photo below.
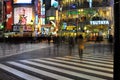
(70, 41)
(57, 40)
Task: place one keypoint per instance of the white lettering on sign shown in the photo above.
(99, 22)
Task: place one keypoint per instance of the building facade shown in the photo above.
(92, 17)
(23, 18)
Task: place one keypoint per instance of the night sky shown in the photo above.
(47, 3)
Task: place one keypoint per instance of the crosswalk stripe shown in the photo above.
(81, 64)
(75, 68)
(62, 70)
(99, 61)
(18, 73)
(88, 62)
(39, 71)
(98, 57)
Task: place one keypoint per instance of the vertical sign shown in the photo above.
(9, 15)
(39, 9)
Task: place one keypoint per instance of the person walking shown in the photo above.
(71, 45)
(49, 39)
(56, 42)
(81, 43)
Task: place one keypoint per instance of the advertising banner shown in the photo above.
(22, 15)
(9, 20)
(22, 28)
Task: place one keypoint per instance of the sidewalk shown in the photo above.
(43, 49)
(7, 49)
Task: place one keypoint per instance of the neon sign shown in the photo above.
(99, 22)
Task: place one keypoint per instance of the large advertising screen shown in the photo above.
(22, 1)
(22, 15)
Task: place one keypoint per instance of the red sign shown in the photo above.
(39, 8)
(9, 18)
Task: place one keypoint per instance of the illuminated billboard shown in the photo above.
(22, 1)
(22, 15)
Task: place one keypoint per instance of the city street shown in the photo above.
(45, 39)
(40, 61)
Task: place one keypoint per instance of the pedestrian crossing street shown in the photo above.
(95, 67)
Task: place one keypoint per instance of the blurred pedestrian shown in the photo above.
(49, 39)
(56, 42)
(71, 45)
(110, 39)
(81, 43)
(76, 38)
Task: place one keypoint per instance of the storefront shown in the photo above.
(97, 28)
(81, 19)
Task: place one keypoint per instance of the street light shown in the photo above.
(1, 26)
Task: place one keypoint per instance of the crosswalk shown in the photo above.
(95, 67)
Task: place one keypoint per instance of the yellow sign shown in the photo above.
(70, 27)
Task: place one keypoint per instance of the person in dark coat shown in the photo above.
(56, 42)
(71, 45)
(110, 40)
(49, 39)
